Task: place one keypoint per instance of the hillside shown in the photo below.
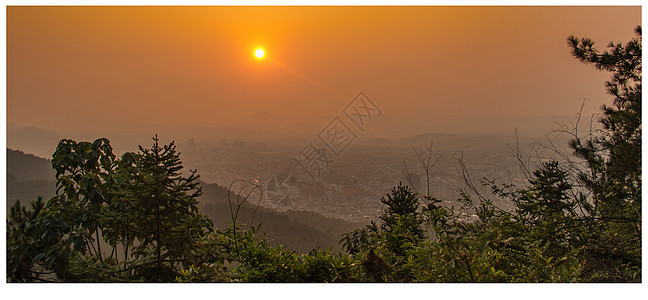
(29, 177)
(298, 230)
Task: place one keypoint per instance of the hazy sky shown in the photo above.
(110, 70)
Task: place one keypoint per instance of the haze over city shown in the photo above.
(186, 72)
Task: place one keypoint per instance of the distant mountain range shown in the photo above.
(31, 139)
(265, 126)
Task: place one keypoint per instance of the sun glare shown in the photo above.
(259, 53)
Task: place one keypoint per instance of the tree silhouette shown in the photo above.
(614, 156)
(165, 205)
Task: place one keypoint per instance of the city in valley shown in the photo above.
(351, 186)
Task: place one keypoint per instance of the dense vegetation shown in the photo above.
(577, 220)
(30, 177)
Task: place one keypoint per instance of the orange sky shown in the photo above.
(110, 70)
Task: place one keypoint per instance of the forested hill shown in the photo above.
(298, 230)
(28, 166)
(28, 177)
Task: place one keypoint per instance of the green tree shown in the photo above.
(83, 174)
(166, 220)
(401, 219)
(384, 249)
(613, 156)
(21, 242)
(140, 202)
(70, 224)
(547, 207)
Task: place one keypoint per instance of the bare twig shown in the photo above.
(428, 160)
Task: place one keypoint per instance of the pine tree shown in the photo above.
(21, 242)
(401, 219)
(167, 219)
(614, 157)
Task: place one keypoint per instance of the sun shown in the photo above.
(259, 53)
